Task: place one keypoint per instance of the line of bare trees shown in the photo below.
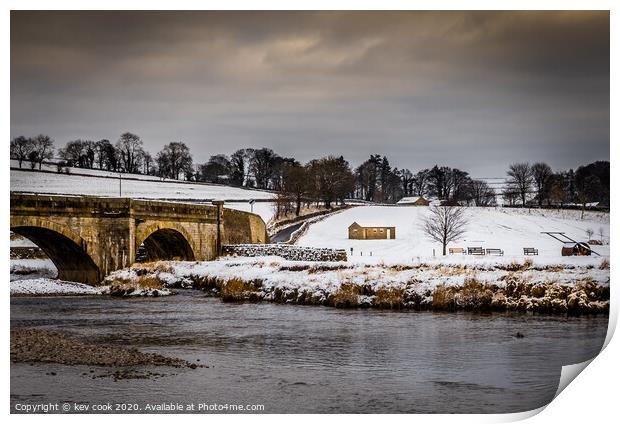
(528, 184)
(127, 155)
(34, 149)
(537, 184)
(377, 181)
(325, 180)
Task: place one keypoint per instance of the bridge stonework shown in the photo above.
(89, 237)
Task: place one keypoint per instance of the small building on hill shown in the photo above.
(368, 231)
(413, 201)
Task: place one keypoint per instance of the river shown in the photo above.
(310, 359)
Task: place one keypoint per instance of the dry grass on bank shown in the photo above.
(347, 296)
(236, 290)
(389, 298)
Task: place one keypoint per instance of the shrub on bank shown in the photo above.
(443, 298)
(145, 285)
(236, 290)
(389, 298)
(347, 296)
(474, 295)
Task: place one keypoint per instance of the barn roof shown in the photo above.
(373, 224)
(410, 199)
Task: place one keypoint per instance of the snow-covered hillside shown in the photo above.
(52, 183)
(44, 182)
(508, 229)
(51, 167)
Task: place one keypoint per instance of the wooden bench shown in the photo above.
(530, 251)
(454, 250)
(475, 251)
(498, 252)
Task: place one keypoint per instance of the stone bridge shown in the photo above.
(89, 237)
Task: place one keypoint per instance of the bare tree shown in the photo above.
(262, 166)
(542, 176)
(589, 233)
(330, 179)
(77, 153)
(107, 156)
(44, 148)
(557, 193)
(520, 177)
(510, 195)
(588, 189)
(33, 158)
(283, 204)
(175, 159)
(147, 161)
(481, 193)
(21, 148)
(239, 166)
(296, 184)
(216, 170)
(129, 148)
(406, 179)
(367, 175)
(419, 183)
(445, 224)
(601, 234)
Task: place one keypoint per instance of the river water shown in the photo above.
(312, 359)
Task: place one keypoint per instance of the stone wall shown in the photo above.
(243, 228)
(286, 251)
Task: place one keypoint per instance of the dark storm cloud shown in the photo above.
(470, 89)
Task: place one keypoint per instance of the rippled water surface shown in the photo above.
(310, 359)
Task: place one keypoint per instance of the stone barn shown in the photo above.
(413, 201)
(366, 231)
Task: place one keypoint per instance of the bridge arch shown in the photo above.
(164, 242)
(68, 252)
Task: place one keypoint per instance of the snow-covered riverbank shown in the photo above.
(535, 285)
(53, 287)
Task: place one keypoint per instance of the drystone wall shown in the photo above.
(293, 253)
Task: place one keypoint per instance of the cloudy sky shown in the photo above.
(474, 90)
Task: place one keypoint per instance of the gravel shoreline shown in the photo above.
(43, 346)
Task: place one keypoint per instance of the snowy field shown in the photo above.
(508, 229)
(42, 182)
